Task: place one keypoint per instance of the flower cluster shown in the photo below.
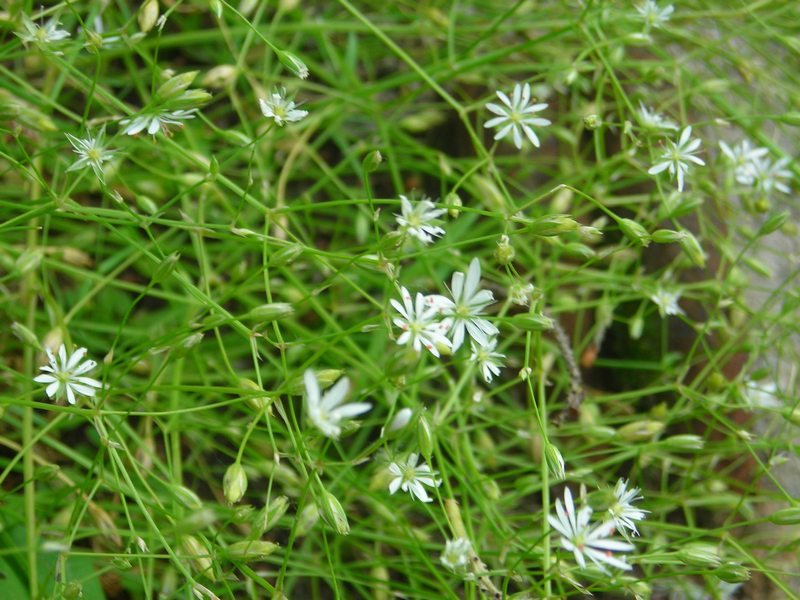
(437, 322)
(754, 169)
(592, 540)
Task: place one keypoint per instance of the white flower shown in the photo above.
(742, 156)
(467, 305)
(456, 554)
(410, 478)
(652, 15)
(419, 219)
(489, 361)
(92, 153)
(328, 412)
(676, 156)
(623, 513)
(667, 302)
(418, 323)
(42, 34)
(762, 394)
(654, 120)
(153, 122)
(516, 116)
(583, 539)
(65, 375)
(281, 109)
(767, 175)
(401, 419)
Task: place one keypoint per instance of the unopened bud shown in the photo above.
(234, 484)
(454, 203)
(773, 222)
(579, 250)
(25, 335)
(531, 322)
(175, 86)
(187, 497)
(635, 326)
(372, 161)
(198, 554)
(72, 591)
(147, 204)
(699, 554)
(731, 572)
(333, 513)
(667, 236)
(786, 516)
(266, 313)
(148, 15)
(307, 519)
(286, 255)
(640, 431)
(504, 252)
(250, 550)
(425, 439)
(166, 267)
(220, 76)
(693, 249)
(634, 232)
(551, 225)
(257, 403)
(293, 63)
(555, 462)
(684, 443)
(592, 122)
(269, 516)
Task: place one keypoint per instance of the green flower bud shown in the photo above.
(454, 201)
(220, 76)
(635, 326)
(307, 519)
(786, 516)
(531, 322)
(175, 86)
(234, 484)
(699, 554)
(198, 554)
(293, 63)
(579, 250)
(667, 236)
(635, 232)
(257, 403)
(148, 15)
(640, 431)
(693, 249)
(269, 516)
(266, 313)
(504, 253)
(550, 225)
(165, 268)
(248, 550)
(773, 222)
(425, 438)
(72, 591)
(555, 462)
(147, 204)
(285, 255)
(592, 122)
(187, 497)
(372, 161)
(216, 8)
(333, 513)
(25, 335)
(684, 443)
(731, 572)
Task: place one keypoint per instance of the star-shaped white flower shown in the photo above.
(653, 120)
(42, 34)
(622, 512)
(466, 306)
(667, 302)
(456, 554)
(489, 361)
(65, 375)
(742, 158)
(768, 175)
(676, 157)
(585, 540)
(419, 219)
(92, 153)
(280, 109)
(155, 122)
(327, 412)
(515, 116)
(653, 15)
(419, 325)
(412, 478)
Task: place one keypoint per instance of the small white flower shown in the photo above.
(280, 109)
(328, 412)
(92, 153)
(741, 157)
(675, 157)
(583, 539)
(622, 512)
(768, 175)
(489, 361)
(401, 419)
(667, 302)
(762, 394)
(411, 478)
(653, 15)
(155, 122)
(456, 554)
(66, 375)
(42, 34)
(466, 307)
(516, 115)
(419, 324)
(419, 220)
(653, 120)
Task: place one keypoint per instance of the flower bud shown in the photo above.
(555, 462)
(401, 419)
(699, 554)
(25, 335)
(635, 326)
(266, 313)
(693, 249)
(199, 555)
(285, 255)
(72, 591)
(773, 222)
(454, 201)
(786, 516)
(731, 572)
(667, 236)
(333, 513)
(147, 204)
(640, 431)
(634, 232)
(175, 86)
(551, 225)
(234, 484)
(293, 63)
(504, 253)
(269, 516)
(187, 497)
(425, 437)
(165, 268)
(372, 161)
(148, 15)
(579, 250)
(248, 550)
(307, 519)
(684, 443)
(220, 76)
(257, 403)
(592, 122)
(531, 322)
